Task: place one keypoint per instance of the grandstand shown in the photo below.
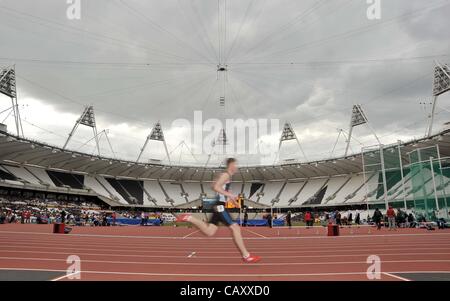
(344, 182)
(409, 174)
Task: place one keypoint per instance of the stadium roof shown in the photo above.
(20, 151)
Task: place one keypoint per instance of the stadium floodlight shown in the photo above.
(441, 85)
(156, 134)
(8, 82)
(87, 118)
(358, 118)
(8, 88)
(287, 135)
(222, 139)
(441, 80)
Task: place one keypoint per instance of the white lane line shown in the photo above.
(65, 276)
(262, 250)
(221, 257)
(226, 275)
(395, 276)
(192, 233)
(229, 238)
(260, 235)
(227, 264)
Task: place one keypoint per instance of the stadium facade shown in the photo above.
(411, 175)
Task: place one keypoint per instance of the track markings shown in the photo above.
(66, 276)
(229, 238)
(281, 256)
(227, 264)
(395, 276)
(391, 274)
(192, 233)
(256, 233)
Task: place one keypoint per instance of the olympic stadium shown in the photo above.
(409, 175)
(98, 120)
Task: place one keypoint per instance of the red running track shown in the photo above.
(168, 253)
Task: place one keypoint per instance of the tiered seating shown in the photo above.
(41, 174)
(173, 190)
(62, 179)
(208, 189)
(112, 192)
(92, 183)
(23, 174)
(236, 187)
(252, 190)
(130, 190)
(289, 191)
(352, 186)
(193, 190)
(271, 190)
(153, 188)
(333, 186)
(359, 195)
(309, 190)
(9, 178)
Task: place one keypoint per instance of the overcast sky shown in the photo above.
(307, 62)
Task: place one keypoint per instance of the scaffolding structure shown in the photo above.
(8, 88)
(416, 181)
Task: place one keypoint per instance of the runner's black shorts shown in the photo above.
(221, 215)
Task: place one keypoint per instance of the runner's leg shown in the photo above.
(205, 228)
(237, 238)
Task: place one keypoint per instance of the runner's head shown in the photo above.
(231, 164)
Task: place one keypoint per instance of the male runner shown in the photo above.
(222, 187)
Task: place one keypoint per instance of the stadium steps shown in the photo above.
(277, 197)
(184, 193)
(355, 193)
(168, 199)
(149, 197)
(317, 197)
(333, 196)
(40, 174)
(295, 197)
(110, 202)
(111, 191)
(22, 174)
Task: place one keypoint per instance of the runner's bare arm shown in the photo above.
(220, 182)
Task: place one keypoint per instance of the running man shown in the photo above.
(222, 187)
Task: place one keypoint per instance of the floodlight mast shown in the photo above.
(441, 85)
(221, 140)
(287, 135)
(8, 88)
(87, 118)
(156, 134)
(358, 118)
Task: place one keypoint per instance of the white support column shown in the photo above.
(383, 170)
(349, 139)
(402, 174)
(433, 112)
(434, 184)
